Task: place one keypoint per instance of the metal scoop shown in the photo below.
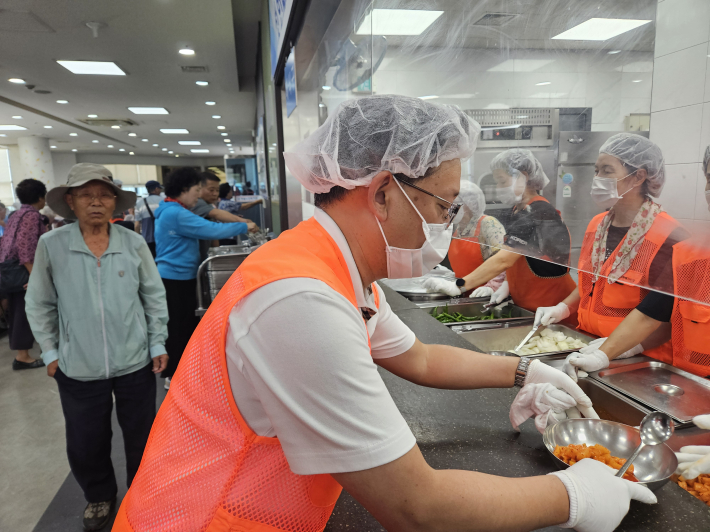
(655, 428)
(527, 337)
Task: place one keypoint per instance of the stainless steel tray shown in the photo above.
(506, 335)
(414, 290)
(475, 308)
(661, 387)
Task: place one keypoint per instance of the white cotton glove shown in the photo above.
(436, 284)
(702, 422)
(693, 460)
(549, 315)
(598, 500)
(546, 403)
(591, 358)
(482, 291)
(500, 294)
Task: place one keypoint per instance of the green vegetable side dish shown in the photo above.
(457, 317)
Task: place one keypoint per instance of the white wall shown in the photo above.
(62, 162)
(680, 106)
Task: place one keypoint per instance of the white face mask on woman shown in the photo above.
(409, 263)
(507, 195)
(605, 192)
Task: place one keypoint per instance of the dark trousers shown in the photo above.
(19, 330)
(151, 247)
(181, 297)
(87, 407)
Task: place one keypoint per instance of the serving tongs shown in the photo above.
(487, 306)
(527, 337)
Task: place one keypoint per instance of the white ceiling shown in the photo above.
(143, 38)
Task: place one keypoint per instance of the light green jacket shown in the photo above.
(100, 318)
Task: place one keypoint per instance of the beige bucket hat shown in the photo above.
(79, 175)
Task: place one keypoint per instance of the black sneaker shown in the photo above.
(17, 365)
(98, 514)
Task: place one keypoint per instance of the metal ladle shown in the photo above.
(655, 428)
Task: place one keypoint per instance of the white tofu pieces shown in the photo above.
(550, 341)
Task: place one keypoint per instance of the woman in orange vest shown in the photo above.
(476, 238)
(537, 249)
(688, 314)
(625, 249)
(278, 404)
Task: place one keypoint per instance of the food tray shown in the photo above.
(475, 308)
(661, 387)
(413, 289)
(506, 335)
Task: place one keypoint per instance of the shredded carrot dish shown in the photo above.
(571, 454)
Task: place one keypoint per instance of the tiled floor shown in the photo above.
(37, 491)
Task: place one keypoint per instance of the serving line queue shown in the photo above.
(277, 403)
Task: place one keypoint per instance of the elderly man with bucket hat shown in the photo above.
(97, 307)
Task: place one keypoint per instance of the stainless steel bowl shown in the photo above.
(653, 467)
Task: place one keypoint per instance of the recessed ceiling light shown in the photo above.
(98, 68)
(93, 116)
(429, 97)
(210, 103)
(121, 149)
(131, 153)
(155, 145)
(47, 127)
(321, 105)
(110, 146)
(148, 110)
(74, 149)
(543, 83)
(73, 134)
(11, 127)
(636, 80)
(600, 29)
(189, 143)
(326, 87)
(229, 145)
(224, 134)
(19, 81)
(397, 21)
(63, 101)
(144, 140)
(95, 141)
(165, 149)
(612, 52)
(186, 51)
(115, 126)
(171, 152)
(176, 155)
(219, 116)
(17, 117)
(202, 83)
(221, 127)
(132, 135)
(200, 150)
(53, 147)
(175, 131)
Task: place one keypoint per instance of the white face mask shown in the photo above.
(410, 263)
(508, 196)
(604, 191)
(707, 198)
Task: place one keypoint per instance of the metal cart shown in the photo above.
(216, 270)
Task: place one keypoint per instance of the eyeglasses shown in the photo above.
(453, 207)
(103, 197)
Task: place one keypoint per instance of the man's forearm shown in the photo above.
(224, 216)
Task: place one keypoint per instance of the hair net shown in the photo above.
(638, 152)
(706, 159)
(472, 197)
(518, 160)
(366, 136)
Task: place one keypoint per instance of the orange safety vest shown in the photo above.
(690, 320)
(203, 468)
(466, 255)
(529, 290)
(604, 306)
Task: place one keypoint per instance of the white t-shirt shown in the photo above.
(300, 369)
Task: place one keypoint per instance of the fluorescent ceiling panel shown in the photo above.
(97, 68)
(600, 29)
(148, 110)
(189, 143)
(11, 127)
(521, 65)
(397, 21)
(200, 151)
(175, 131)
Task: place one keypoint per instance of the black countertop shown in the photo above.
(471, 430)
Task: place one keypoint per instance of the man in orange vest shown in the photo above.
(277, 402)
